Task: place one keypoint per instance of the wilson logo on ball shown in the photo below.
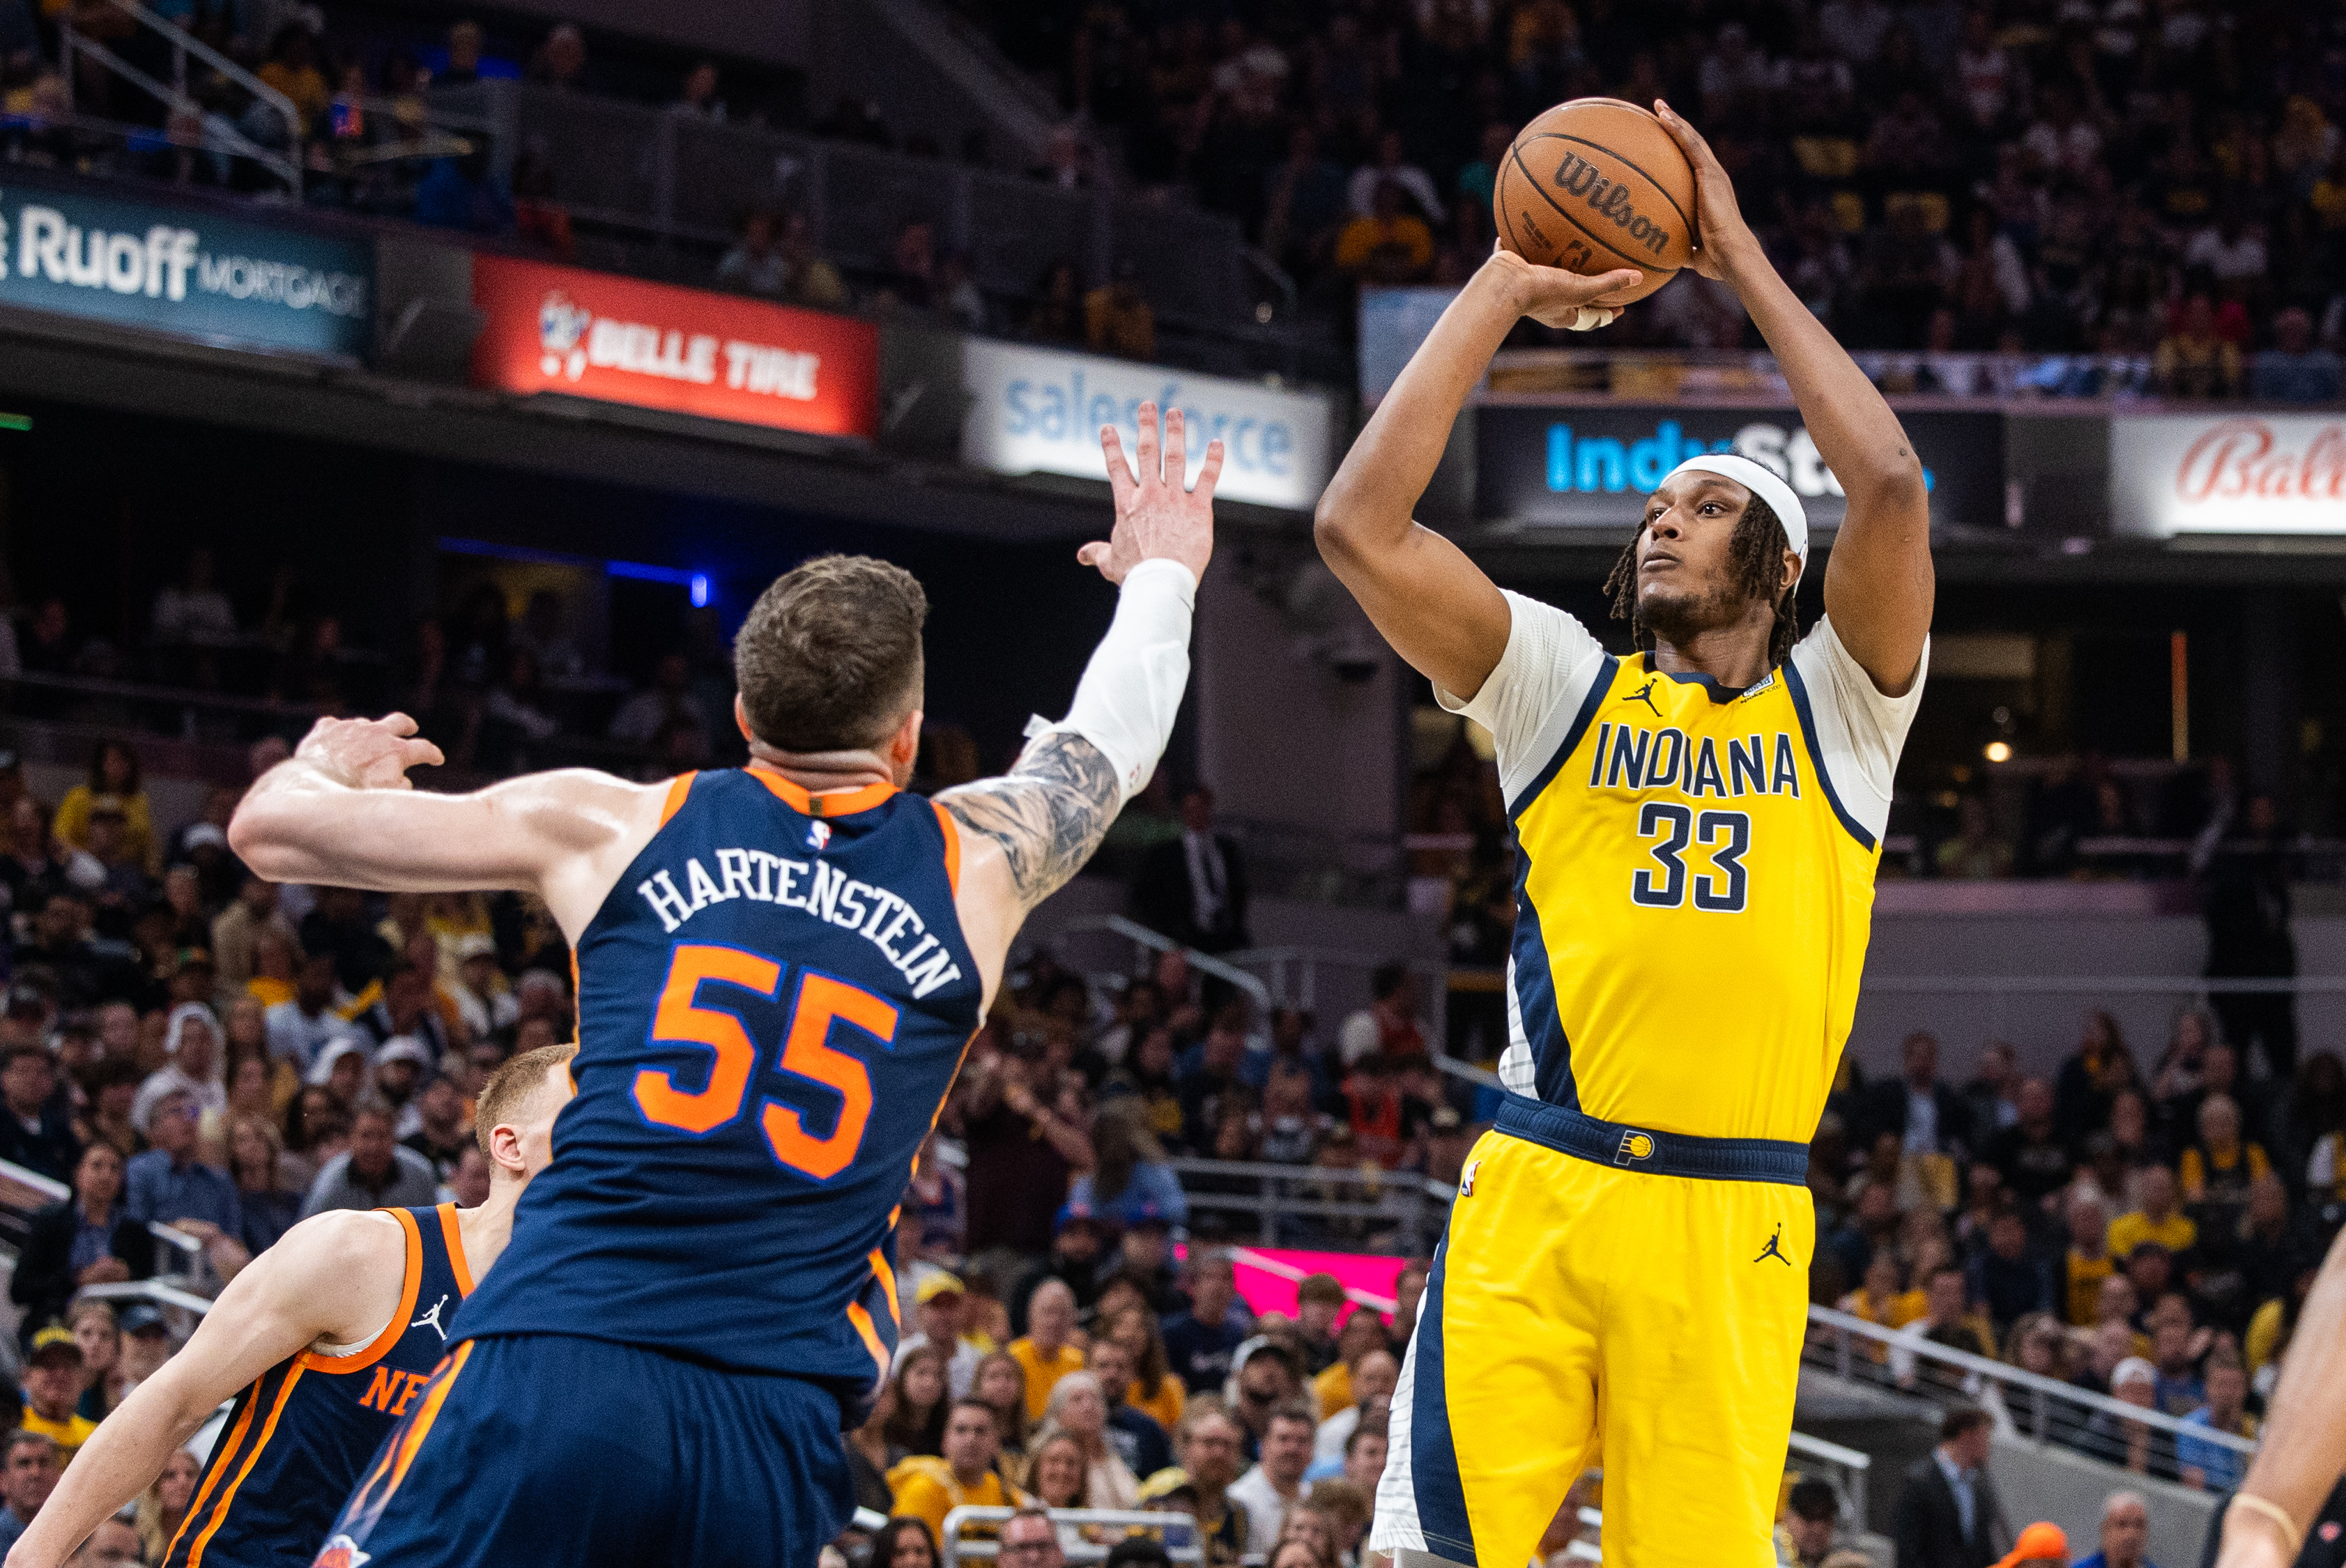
(1610, 200)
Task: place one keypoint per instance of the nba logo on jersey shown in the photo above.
(818, 835)
(1635, 1145)
(342, 1552)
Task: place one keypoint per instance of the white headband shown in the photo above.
(1763, 484)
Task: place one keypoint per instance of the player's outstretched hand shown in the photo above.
(1155, 516)
(1717, 220)
(368, 753)
(1555, 298)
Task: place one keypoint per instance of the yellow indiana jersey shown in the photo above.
(1695, 884)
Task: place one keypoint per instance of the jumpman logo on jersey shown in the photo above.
(432, 1319)
(1644, 694)
(1773, 1250)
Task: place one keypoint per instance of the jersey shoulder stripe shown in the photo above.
(1799, 692)
(1597, 689)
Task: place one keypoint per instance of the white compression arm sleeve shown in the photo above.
(1130, 691)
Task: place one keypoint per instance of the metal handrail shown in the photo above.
(2112, 984)
(1167, 1524)
(154, 1290)
(183, 43)
(1849, 1460)
(57, 1191)
(1416, 1204)
(1845, 1327)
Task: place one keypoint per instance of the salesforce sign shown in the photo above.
(1593, 465)
(1039, 411)
(190, 273)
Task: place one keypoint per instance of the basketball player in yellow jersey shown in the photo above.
(1626, 1270)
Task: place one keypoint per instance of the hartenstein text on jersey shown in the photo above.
(814, 887)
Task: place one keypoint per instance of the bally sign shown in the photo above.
(185, 271)
(1593, 465)
(2234, 473)
(556, 328)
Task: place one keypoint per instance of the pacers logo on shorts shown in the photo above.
(1635, 1145)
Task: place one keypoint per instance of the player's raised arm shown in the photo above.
(1433, 604)
(1029, 830)
(2304, 1437)
(334, 1277)
(1878, 584)
(341, 811)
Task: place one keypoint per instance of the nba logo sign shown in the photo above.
(1635, 1145)
(818, 835)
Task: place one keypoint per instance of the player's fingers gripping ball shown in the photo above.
(1597, 185)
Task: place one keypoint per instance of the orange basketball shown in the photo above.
(1596, 184)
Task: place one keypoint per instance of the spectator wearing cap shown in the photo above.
(237, 932)
(1140, 1440)
(2132, 1443)
(2040, 1545)
(146, 1343)
(1077, 1236)
(375, 1172)
(168, 1185)
(483, 999)
(939, 1307)
(300, 1029)
(1812, 1520)
(2125, 1533)
(403, 1064)
(29, 1467)
(36, 1131)
(1144, 1256)
(1947, 1514)
(89, 1238)
(928, 1489)
(192, 1046)
(1047, 1352)
(1199, 1343)
(52, 1388)
(113, 777)
(1128, 1177)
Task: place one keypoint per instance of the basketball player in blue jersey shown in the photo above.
(779, 970)
(1623, 1278)
(330, 1334)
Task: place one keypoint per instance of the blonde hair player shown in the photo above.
(1625, 1273)
(329, 1334)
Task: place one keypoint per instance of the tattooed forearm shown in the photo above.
(1049, 813)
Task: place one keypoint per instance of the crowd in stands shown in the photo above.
(1987, 174)
(2141, 1228)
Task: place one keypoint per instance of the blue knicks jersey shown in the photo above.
(299, 1437)
(772, 1003)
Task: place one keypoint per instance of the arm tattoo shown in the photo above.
(1049, 813)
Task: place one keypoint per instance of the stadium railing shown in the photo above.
(1179, 1532)
(186, 126)
(2038, 1410)
(1845, 1467)
(1342, 1208)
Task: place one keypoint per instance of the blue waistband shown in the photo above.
(1660, 1154)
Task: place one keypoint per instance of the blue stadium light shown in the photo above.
(700, 590)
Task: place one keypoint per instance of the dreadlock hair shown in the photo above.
(1755, 556)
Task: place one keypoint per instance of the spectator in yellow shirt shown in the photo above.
(1156, 1393)
(113, 773)
(1389, 245)
(2088, 1263)
(52, 1388)
(2156, 1220)
(2220, 1167)
(927, 1488)
(1048, 1353)
(1362, 1332)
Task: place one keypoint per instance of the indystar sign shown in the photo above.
(185, 272)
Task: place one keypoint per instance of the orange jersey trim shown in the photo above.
(888, 1282)
(196, 1508)
(228, 1496)
(953, 846)
(426, 1416)
(830, 804)
(678, 788)
(452, 1234)
(342, 1366)
(871, 1333)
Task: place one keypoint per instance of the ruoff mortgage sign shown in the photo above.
(184, 272)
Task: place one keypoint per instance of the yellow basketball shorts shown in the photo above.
(1592, 1302)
